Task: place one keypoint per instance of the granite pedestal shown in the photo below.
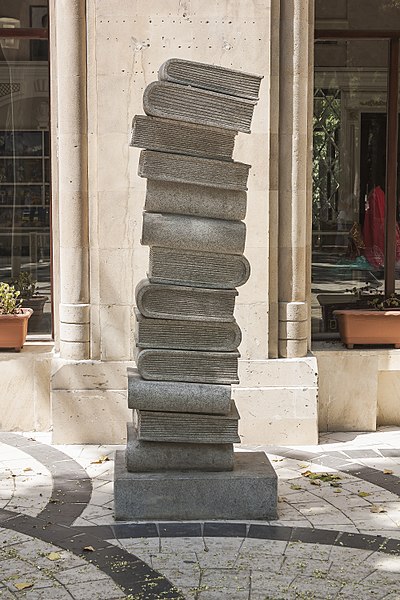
(248, 492)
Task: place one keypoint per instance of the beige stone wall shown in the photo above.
(128, 42)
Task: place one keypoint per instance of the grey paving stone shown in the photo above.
(210, 77)
(171, 101)
(105, 590)
(198, 269)
(175, 396)
(196, 200)
(167, 135)
(49, 593)
(82, 574)
(200, 234)
(195, 171)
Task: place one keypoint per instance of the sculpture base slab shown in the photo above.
(247, 492)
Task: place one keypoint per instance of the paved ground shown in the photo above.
(338, 533)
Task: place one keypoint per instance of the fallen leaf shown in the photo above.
(295, 487)
(375, 508)
(388, 471)
(53, 556)
(315, 482)
(88, 549)
(337, 490)
(326, 477)
(363, 494)
(27, 469)
(100, 460)
(24, 585)
(302, 466)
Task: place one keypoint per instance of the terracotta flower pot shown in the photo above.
(13, 329)
(369, 327)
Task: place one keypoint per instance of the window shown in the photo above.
(356, 215)
(25, 218)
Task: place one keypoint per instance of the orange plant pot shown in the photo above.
(13, 329)
(369, 327)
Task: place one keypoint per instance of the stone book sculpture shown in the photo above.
(179, 461)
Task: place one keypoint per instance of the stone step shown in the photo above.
(174, 396)
(199, 269)
(144, 456)
(168, 135)
(248, 492)
(164, 301)
(190, 428)
(193, 233)
(186, 335)
(188, 365)
(178, 168)
(171, 101)
(210, 77)
(196, 200)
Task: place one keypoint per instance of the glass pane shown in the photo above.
(24, 162)
(349, 166)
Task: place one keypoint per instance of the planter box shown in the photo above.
(369, 327)
(13, 329)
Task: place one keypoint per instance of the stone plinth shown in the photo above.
(175, 396)
(170, 101)
(197, 269)
(165, 135)
(210, 77)
(247, 492)
(196, 200)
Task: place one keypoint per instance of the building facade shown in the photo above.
(102, 56)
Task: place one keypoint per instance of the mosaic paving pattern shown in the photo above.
(338, 533)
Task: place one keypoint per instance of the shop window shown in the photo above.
(25, 206)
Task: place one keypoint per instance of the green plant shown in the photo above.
(382, 303)
(9, 302)
(25, 284)
(378, 302)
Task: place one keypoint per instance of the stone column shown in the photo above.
(293, 178)
(70, 57)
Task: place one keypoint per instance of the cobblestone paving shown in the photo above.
(337, 536)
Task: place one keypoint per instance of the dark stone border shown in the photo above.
(72, 488)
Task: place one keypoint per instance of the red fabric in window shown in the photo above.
(374, 229)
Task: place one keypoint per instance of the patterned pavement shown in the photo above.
(337, 536)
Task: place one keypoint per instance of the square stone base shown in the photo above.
(247, 492)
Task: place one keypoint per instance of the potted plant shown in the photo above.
(30, 297)
(378, 324)
(13, 318)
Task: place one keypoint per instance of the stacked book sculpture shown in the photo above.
(180, 462)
